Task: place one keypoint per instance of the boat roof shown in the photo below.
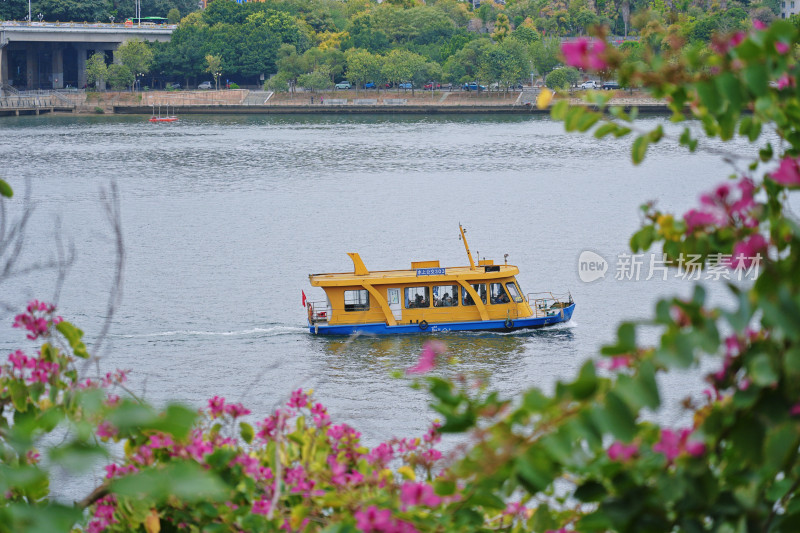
(416, 275)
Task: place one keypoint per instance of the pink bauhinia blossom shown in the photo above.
(748, 251)
(216, 406)
(585, 54)
(373, 520)
(413, 494)
(622, 452)
(788, 173)
(298, 399)
(427, 358)
(261, 507)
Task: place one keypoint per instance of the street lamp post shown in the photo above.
(40, 17)
(30, 18)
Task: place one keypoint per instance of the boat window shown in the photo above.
(480, 288)
(418, 297)
(497, 294)
(356, 300)
(445, 296)
(514, 292)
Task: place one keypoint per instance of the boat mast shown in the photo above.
(466, 246)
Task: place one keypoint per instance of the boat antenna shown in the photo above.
(466, 246)
(505, 258)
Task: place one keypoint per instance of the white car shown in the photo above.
(205, 85)
(591, 84)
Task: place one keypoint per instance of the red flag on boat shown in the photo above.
(304, 298)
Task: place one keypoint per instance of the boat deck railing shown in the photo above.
(546, 304)
(317, 312)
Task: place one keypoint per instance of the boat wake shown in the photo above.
(272, 331)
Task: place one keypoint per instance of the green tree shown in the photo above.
(214, 67)
(319, 80)
(362, 66)
(174, 16)
(502, 28)
(291, 64)
(546, 55)
(96, 69)
(136, 55)
(120, 76)
(402, 66)
(74, 10)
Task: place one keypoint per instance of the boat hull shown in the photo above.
(380, 328)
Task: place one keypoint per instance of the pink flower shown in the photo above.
(757, 24)
(785, 81)
(298, 399)
(621, 452)
(106, 430)
(748, 251)
(261, 507)
(782, 47)
(699, 219)
(216, 406)
(373, 520)
(427, 358)
(795, 410)
(412, 494)
(431, 455)
(788, 173)
(320, 415)
(381, 454)
(585, 54)
(674, 444)
(669, 444)
(236, 410)
(18, 359)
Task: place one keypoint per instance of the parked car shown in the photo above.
(205, 85)
(431, 86)
(175, 85)
(610, 85)
(591, 84)
(406, 85)
(473, 87)
(343, 85)
(369, 85)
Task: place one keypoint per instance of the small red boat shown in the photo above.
(159, 118)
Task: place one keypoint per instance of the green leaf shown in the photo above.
(639, 149)
(246, 430)
(73, 336)
(586, 384)
(5, 189)
(762, 372)
(590, 491)
(186, 481)
(779, 444)
(77, 456)
(605, 129)
(617, 418)
(559, 110)
(42, 518)
(19, 394)
(444, 487)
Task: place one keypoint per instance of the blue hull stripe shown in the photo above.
(380, 328)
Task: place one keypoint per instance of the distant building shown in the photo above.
(789, 8)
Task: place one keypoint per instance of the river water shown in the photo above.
(224, 218)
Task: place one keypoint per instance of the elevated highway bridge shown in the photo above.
(52, 55)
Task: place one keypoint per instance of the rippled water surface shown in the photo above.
(224, 218)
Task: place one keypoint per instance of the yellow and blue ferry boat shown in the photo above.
(431, 298)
